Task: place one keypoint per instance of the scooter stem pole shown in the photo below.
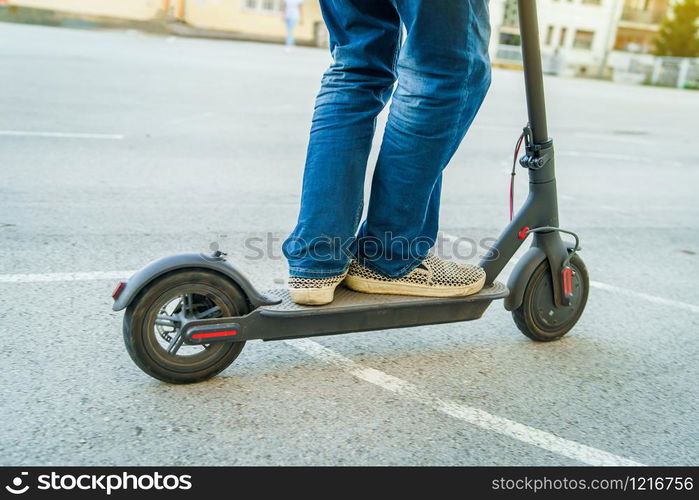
(533, 72)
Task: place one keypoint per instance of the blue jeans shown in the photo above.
(290, 27)
(443, 73)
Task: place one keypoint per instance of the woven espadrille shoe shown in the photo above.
(314, 291)
(434, 277)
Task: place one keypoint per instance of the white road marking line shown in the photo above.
(465, 244)
(598, 284)
(473, 416)
(614, 138)
(60, 135)
(617, 156)
(472, 248)
(650, 298)
(118, 275)
(39, 278)
(606, 156)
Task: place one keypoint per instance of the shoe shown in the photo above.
(314, 291)
(434, 277)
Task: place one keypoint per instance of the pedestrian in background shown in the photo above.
(292, 14)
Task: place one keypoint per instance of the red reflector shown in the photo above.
(567, 282)
(227, 333)
(118, 289)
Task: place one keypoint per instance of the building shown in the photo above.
(137, 10)
(576, 35)
(579, 37)
(257, 19)
(639, 24)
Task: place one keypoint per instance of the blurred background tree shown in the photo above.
(679, 33)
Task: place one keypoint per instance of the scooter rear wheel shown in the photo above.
(152, 325)
(538, 317)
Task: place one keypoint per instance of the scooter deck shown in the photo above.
(349, 312)
(357, 312)
(348, 299)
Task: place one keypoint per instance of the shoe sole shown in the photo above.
(392, 288)
(312, 296)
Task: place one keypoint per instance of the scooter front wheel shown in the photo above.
(153, 323)
(538, 317)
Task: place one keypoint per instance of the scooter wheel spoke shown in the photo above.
(208, 313)
(175, 343)
(165, 320)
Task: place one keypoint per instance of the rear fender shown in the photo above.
(212, 262)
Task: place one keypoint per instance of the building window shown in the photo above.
(583, 39)
(511, 15)
(549, 35)
(562, 37)
(509, 39)
(264, 5)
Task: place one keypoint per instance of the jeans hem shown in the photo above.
(300, 272)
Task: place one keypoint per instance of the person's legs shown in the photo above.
(290, 27)
(443, 76)
(364, 41)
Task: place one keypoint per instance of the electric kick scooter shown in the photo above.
(188, 316)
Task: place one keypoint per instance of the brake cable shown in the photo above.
(525, 232)
(545, 229)
(512, 175)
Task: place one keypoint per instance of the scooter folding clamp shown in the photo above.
(537, 154)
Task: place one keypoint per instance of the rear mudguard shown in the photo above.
(517, 282)
(212, 262)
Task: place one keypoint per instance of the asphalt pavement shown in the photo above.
(117, 148)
